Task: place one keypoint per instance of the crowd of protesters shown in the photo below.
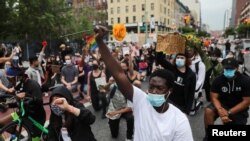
(111, 79)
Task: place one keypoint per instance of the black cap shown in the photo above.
(230, 63)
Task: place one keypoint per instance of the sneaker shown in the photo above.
(192, 113)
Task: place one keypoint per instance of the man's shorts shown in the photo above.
(238, 119)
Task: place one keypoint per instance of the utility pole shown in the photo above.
(146, 22)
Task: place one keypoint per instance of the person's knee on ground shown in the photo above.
(209, 117)
(130, 125)
(114, 127)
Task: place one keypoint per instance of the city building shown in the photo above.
(180, 11)
(227, 18)
(95, 10)
(195, 10)
(236, 10)
(158, 15)
(245, 13)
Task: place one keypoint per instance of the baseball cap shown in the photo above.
(230, 63)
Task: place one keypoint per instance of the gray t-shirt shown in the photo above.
(69, 73)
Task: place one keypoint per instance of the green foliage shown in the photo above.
(186, 29)
(229, 31)
(243, 29)
(39, 19)
(203, 34)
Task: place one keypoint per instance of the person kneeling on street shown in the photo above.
(69, 119)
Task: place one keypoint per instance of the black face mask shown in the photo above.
(95, 67)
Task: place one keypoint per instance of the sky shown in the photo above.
(213, 11)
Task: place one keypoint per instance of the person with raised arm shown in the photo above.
(151, 110)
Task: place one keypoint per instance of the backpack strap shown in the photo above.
(112, 93)
(197, 67)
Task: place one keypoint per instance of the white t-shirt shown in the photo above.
(150, 125)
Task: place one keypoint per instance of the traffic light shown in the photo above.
(187, 19)
(247, 21)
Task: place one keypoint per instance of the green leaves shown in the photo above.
(243, 29)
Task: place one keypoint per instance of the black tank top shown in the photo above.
(93, 84)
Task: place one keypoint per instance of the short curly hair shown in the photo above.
(165, 74)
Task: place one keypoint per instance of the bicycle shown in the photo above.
(18, 129)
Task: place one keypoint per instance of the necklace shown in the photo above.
(163, 107)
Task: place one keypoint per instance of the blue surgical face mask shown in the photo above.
(180, 62)
(57, 110)
(156, 100)
(229, 73)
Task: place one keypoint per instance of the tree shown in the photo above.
(39, 19)
(229, 31)
(243, 30)
(186, 29)
(203, 34)
(7, 18)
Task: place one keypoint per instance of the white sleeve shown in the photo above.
(201, 76)
(183, 132)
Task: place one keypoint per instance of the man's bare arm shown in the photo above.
(114, 67)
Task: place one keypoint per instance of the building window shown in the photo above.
(126, 9)
(165, 20)
(165, 1)
(118, 10)
(127, 21)
(165, 10)
(168, 21)
(160, 8)
(111, 11)
(118, 0)
(112, 21)
(142, 7)
(134, 8)
(118, 20)
(152, 6)
(134, 19)
(111, 1)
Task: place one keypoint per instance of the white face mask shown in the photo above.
(68, 62)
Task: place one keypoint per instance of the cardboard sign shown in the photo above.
(125, 50)
(171, 43)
